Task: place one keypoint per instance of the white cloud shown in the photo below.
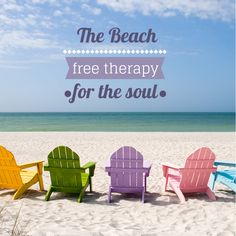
(33, 29)
(52, 2)
(19, 64)
(29, 25)
(204, 9)
(12, 7)
(58, 13)
(112, 23)
(90, 9)
(22, 39)
(28, 61)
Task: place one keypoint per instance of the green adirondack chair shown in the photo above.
(66, 173)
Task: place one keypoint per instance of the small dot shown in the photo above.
(73, 51)
(128, 51)
(96, 51)
(69, 51)
(141, 51)
(163, 93)
(164, 51)
(151, 51)
(146, 51)
(67, 93)
(114, 51)
(132, 51)
(78, 51)
(137, 51)
(64, 51)
(110, 51)
(160, 51)
(155, 51)
(92, 51)
(105, 51)
(87, 51)
(119, 51)
(83, 51)
(123, 51)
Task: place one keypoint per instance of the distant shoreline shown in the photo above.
(118, 121)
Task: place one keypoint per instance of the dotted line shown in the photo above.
(114, 51)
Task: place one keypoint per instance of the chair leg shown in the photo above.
(210, 194)
(165, 184)
(145, 183)
(212, 181)
(40, 172)
(90, 184)
(178, 193)
(20, 191)
(41, 187)
(81, 195)
(143, 193)
(48, 194)
(109, 195)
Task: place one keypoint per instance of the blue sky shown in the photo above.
(199, 66)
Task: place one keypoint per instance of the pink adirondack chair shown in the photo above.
(128, 172)
(194, 176)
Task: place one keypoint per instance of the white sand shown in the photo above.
(162, 214)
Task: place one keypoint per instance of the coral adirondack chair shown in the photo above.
(226, 177)
(128, 172)
(194, 176)
(66, 173)
(13, 176)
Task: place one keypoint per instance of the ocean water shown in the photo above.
(130, 122)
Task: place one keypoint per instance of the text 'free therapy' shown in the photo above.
(114, 69)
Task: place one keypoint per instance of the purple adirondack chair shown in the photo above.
(128, 172)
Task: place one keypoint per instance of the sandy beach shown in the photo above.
(161, 214)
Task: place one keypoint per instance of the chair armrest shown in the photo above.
(169, 169)
(147, 166)
(224, 163)
(38, 164)
(107, 169)
(171, 166)
(90, 166)
(28, 165)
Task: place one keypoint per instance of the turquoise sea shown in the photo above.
(134, 122)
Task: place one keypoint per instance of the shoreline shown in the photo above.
(118, 122)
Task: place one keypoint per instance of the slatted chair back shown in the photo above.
(64, 167)
(198, 168)
(127, 168)
(9, 171)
